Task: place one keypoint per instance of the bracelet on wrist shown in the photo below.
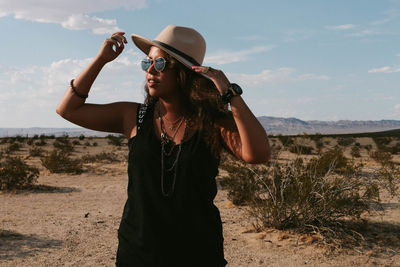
(76, 92)
(233, 90)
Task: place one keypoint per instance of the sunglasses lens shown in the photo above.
(146, 63)
(159, 64)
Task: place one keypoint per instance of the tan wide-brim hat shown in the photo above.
(184, 44)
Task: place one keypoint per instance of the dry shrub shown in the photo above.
(316, 196)
(331, 160)
(382, 157)
(301, 149)
(62, 143)
(16, 174)
(59, 161)
(295, 195)
(42, 142)
(382, 143)
(241, 183)
(115, 140)
(36, 151)
(13, 147)
(285, 140)
(76, 143)
(345, 141)
(101, 157)
(355, 151)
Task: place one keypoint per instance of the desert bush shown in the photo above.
(388, 176)
(115, 140)
(316, 137)
(13, 148)
(332, 160)
(355, 151)
(64, 144)
(59, 161)
(395, 149)
(382, 143)
(241, 183)
(42, 142)
(36, 151)
(87, 143)
(295, 195)
(94, 144)
(382, 157)
(81, 137)
(76, 143)
(345, 141)
(101, 157)
(368, 147)
(319, 144)
(16, 174)
(298, 195)
(301, 149)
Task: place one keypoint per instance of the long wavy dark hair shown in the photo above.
(201, 103)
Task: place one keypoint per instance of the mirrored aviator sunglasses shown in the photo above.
(159, 64)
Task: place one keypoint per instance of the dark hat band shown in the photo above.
(176, 51)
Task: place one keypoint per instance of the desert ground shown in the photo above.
(72, 220)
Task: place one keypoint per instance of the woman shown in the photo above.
(175, 139)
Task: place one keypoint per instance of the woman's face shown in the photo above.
(161, 84)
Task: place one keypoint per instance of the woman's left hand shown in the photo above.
(217, 76)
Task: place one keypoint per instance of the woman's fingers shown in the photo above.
(119, 36)
(118, 39)
(217, 76)
(202, 69)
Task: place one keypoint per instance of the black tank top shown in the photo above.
(181, 230)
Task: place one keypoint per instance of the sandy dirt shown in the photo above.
(72, 220)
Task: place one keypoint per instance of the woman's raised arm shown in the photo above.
(244, 135)
(114, 117)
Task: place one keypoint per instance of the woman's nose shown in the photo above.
(152, 69)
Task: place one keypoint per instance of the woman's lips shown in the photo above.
(152, 81)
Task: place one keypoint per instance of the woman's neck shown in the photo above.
(171, 108)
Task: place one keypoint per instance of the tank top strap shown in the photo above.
(142, 108)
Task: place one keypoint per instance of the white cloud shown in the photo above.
(226, 57)
(386, 69)
(98, 25)
(342, 27)
(34, 91)
(71, 14)
(365, 32)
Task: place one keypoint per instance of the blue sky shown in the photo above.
(313, 60)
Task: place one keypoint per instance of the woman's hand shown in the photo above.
(107, 52)
(217, 76)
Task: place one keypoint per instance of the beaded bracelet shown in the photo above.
(76, 92)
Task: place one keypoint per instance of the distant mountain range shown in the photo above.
(287, 126)
(273, 125)
(49, 131)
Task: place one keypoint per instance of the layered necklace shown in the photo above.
(170, 151)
